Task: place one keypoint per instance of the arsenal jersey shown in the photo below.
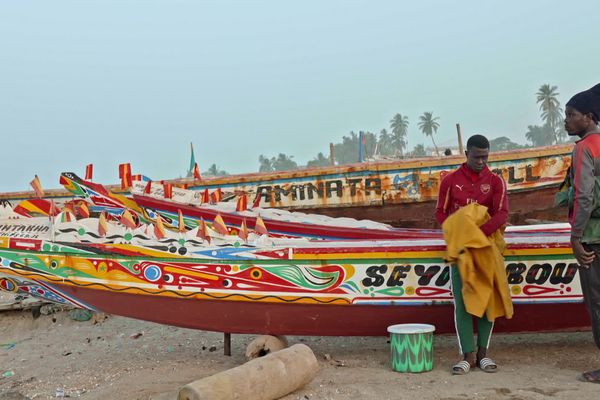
(465, 186)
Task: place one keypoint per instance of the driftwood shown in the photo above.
(267, 378)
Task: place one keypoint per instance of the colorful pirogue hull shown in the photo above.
(277, 286)
(279, 223)
(401, 192)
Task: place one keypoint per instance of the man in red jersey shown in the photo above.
(582, 114)
(473, 182)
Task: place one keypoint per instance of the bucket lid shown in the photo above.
(411, 328)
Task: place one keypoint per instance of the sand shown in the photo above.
(121, 358)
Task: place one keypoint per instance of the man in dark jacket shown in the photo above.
(582, 115)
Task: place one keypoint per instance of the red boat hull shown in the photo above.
(313, 319)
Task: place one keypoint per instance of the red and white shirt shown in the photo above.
(465, 186)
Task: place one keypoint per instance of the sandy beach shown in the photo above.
(121, 358)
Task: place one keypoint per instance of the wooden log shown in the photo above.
(267, 378)
(265, 344)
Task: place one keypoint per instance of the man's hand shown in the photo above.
(584, 258)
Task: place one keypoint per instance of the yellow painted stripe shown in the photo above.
(31, 207)
(376, 254)
(191, 273)
(538, 252)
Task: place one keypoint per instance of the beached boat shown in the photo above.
(149, 202)
(400, 193)
(276, 285)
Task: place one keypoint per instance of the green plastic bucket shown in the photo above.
(412, 347)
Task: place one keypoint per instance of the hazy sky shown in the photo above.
(110, 81)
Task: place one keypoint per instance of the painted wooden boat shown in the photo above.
(279, 223)
(277, 286)
(400, 193)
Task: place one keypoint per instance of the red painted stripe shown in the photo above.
(25, 244)
(256, 317)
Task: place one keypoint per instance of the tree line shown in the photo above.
(393, 142)
(552, 130)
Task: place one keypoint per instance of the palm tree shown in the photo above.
(213, 170)
(319, 161)
(399, 127)
(283, 162)
(384, 143)
(550, 108)
(419, 151)
(347, 151)
(503, 143)
(429, 125)
(266, 165)
(539, 135)
(369, 144)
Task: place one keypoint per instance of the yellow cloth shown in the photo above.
(480, 263)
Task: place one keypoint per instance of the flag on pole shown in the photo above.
(66, 216)
(205, 197)
(192, 169)
(180, 222)
(125, 175)
(256, 202)
(168, 189)
(197, 175)
(148, 187)
(127, 220)
(203, 231)
(89, 172)
(53, 211)
(37, 187)
(243, 232)
(159, 228)
(84, 211)
(102, 225)
(69, 207)
(216, 196)
(242, 203)
(260, 227)
(219, 225)
(361, 143)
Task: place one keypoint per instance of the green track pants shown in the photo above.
(463, 321)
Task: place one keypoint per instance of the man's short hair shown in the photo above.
(478, 141)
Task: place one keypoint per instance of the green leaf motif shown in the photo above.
(304, 277)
